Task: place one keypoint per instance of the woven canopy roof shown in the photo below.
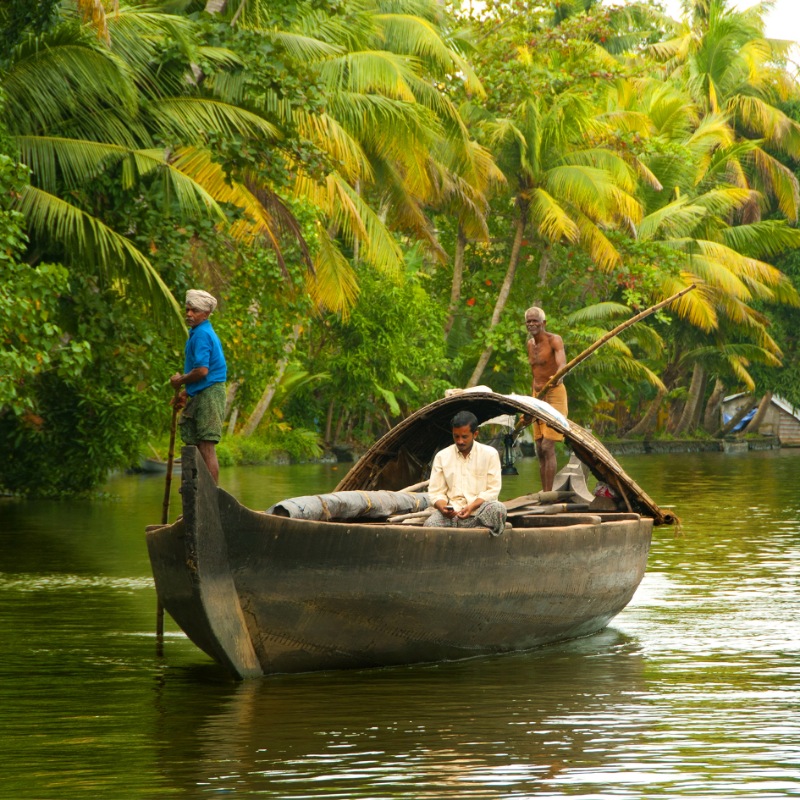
(403, 456)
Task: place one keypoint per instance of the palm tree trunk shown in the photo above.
(458, 278)
(329, 423)
(711, 415)
(216, 6)
(647, 423)
(230, 397)
(269, 392)
(736, 419)
(502, 297)
(690, 409)
(758, 417)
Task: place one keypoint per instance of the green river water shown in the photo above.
(693, 691)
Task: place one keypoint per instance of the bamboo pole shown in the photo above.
(610, 335)
(165, 512)
(526, 420)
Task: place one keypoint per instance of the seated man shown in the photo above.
(465, 481)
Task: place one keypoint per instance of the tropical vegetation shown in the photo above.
(376, 190)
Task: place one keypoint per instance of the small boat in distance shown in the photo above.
(155, 466)
(298, 589)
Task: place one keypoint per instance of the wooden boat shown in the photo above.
(155, 466)
(262, 593)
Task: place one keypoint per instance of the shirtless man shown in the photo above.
(546, 356)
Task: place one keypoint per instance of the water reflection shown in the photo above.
(692, 693)
(469, 729)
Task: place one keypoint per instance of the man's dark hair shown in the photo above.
(465, 418)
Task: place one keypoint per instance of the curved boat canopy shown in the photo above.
(403, 456)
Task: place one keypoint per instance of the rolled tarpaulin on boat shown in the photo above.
(350, 505)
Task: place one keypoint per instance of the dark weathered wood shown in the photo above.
(193, 573)
(261, 593)
(557, 521)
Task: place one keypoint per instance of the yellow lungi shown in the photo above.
(557, 397)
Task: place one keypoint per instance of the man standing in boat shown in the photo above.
(546, 356)
(465, 481)
(204, 375)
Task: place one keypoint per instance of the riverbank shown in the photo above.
(617, 447)
(665, 446)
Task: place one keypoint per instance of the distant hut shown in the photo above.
(781, 419)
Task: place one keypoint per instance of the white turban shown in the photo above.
(200, 300)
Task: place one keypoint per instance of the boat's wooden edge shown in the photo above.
(193, 576)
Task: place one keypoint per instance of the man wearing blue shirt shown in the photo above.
(204, 375)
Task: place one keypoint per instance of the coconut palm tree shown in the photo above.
(698, 213)
(79, 106)
(722, 57)
(394, 141)
(563, 188)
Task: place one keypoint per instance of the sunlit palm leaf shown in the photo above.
(762, 239)
(334, 285)
(405, 33)
(304, 48)
(256, 221)
(676, 219)
(775, 178)
(767, 122)
(599, 312)
(551, 220)
(371, 71)
(599, 248)
(586, 187)
(618, 170)
(697, 307)
(357, 220)
(326, 132)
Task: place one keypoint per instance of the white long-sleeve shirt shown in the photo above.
(460, 480)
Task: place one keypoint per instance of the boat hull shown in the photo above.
(266, 594)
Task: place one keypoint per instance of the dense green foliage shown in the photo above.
(376, 190)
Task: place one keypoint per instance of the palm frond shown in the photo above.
(552, 221)
(767, 122)
(697, 307)
(368, 71)
(54, 159)
(358, 221)
(600, 249)
(774, 178)
(329, 135)
(762, 239)
(188, 118)
(304, 48)
(49, 81)
(598, 312)
(587, 188)
(256, 221)
(334, 285)
(674, 220)
(97, 247)
(413, 35)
